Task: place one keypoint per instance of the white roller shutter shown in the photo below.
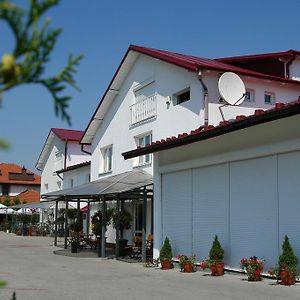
(210, 208)
(177, 210)
(254, 210)
(289, 199)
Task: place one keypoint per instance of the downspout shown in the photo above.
(205, 97)
(66, 153)
(84, 151)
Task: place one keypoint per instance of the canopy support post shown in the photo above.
(144, 225)
(88, 218)
(66, 225)
(103, 227)
(78, 220)
(55, 224)
(118, 228)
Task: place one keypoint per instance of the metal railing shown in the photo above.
(142, 110)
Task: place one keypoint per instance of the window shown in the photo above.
(142, 141)
(269, 98)
(183, 96)
(107, 156)
(5, 189)
(250, 95)
(144, 90)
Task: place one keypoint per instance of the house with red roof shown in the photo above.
(156, 94)
(63, 161)
(161, 110)
(17, 182)
(237, 180)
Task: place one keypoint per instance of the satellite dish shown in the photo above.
(232, 88)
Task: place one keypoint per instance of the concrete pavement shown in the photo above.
(34, 272)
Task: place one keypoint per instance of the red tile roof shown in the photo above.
(68, 134)
(289, 53)
(281, 110)
(190, 62)
(27, 196)
(83, 164)
(12, 173)
(195, 63)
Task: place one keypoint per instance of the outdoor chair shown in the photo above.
(136, 251)
(149, 247)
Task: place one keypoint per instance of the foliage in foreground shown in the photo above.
(34, 43)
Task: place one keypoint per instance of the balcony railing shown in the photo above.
(143, 110)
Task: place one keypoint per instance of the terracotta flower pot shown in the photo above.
(254, 275)
(217, 270)
(287, 277)
(166, 265)
(187, 267)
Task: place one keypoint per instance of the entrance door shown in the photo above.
(138, 218)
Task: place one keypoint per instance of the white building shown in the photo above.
(63, 161)
(239, 181)
(60, 152)
(156, 94)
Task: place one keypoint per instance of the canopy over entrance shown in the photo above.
(121, 184)
(131, 185)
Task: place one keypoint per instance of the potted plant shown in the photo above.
(75, 228)
(187, 263)
(253, 267)
(287, 265)
(97, 221)
(215, 262)
(165, 255)
(124, 217)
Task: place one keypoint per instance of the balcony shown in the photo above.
(143, 110)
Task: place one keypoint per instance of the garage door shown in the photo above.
(289, 198)
(177, 210)
(254, 210)
(210, 208)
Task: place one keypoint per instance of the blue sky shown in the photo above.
(102, 31)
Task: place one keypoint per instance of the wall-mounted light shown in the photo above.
(168, 100)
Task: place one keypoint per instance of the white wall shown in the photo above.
(79, 176)
(295, 69)
(75, 155)
(48, 176)
(172, 119)
(252, 181)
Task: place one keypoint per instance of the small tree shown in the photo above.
(287, 258)
(166, 251)
(216, 252)
(7, 201)
(17, 201)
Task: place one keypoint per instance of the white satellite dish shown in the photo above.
(232, 88)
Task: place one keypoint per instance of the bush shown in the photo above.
(216, 252)
(166, 251)
(287, 258)
(124, 217)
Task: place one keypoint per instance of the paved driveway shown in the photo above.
(34, 272)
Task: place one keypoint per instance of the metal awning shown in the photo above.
(34, 205)
(110, 185)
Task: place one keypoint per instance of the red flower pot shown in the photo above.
(217, 270)
(287, 277)
(166, 265)
(254, 275)
(187, 267)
